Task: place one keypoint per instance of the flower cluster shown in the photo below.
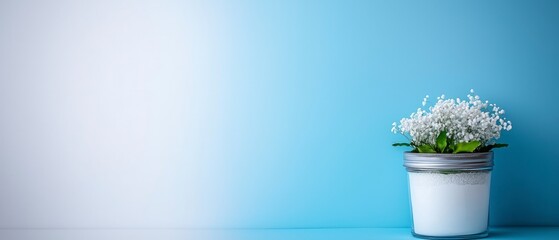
(462, 120)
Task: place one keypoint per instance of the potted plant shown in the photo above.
(449, 167)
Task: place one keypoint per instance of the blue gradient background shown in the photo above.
(317, 85)
(266, 114)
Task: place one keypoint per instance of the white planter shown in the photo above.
(449, 194)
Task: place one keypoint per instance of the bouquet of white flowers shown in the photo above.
(454, 126)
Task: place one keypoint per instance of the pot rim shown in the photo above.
(448, 161)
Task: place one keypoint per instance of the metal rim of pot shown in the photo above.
(448, 161)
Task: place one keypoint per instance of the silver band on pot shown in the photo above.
(448, 161)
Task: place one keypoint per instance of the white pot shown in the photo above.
(449, 194)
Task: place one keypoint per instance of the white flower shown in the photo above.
(463, 121)
(425, 100)
(394, 129)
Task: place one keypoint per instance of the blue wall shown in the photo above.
(273, 114)
(315, 86)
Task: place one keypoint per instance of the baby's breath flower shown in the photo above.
(394, 129)
(463, 121)
(425, 100)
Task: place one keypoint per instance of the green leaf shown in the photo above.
(450, 148)
(426, 149)
(499, 145)
(401, 145)
(466, 147)
(441, 141)
(489, 147)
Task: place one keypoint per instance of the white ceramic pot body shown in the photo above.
(449, 194)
